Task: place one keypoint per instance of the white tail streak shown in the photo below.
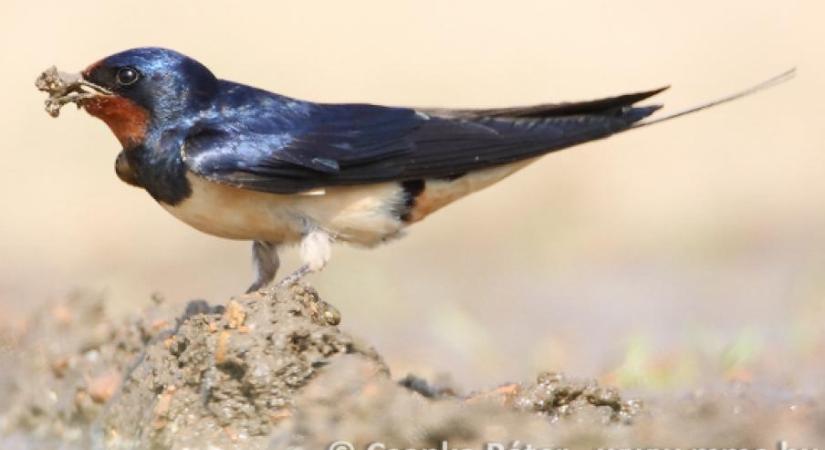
(771, 82)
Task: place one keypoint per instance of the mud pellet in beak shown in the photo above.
(64, 87)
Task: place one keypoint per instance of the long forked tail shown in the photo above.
(771, 82)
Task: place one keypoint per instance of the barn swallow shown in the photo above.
(240, 162)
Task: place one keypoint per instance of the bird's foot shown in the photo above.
(265, 257)
(315, 253)
(267, 286)
(294, 277)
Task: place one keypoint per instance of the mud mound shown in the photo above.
(227, 375)
(217, 375)
(275, 371)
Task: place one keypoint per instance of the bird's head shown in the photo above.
(133, 89)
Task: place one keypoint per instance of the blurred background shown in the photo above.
(687, 250)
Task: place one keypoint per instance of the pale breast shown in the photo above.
(363, 215)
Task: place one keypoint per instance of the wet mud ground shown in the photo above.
(275, 371)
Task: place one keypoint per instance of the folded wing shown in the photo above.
(291, 150)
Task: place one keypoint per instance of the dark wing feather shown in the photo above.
(293, 149)
(598, 106)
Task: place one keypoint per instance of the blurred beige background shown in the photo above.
(708, 225)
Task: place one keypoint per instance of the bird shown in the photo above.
(243, 163)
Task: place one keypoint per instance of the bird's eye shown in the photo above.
(127, 76)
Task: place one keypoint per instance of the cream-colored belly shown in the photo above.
(364, 215)
(357, 214)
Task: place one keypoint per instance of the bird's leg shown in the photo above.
(316, 248)
(265, 258)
